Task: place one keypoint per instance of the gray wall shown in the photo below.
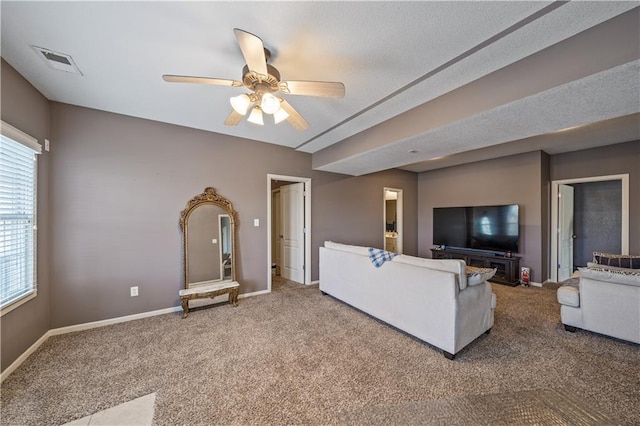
(350, 209)
(119, 183)
(609, 160)
(509, 180)
(118, 186)
(525, 179)
(25, 108)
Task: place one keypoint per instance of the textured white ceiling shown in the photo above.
(392, 57)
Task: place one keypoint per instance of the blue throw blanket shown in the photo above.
(379, 256)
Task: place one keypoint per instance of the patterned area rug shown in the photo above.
(535, 407)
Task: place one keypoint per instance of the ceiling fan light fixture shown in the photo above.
(263, 82)
(269, 103)
(241, 103)
(280, 115)
(256, 116)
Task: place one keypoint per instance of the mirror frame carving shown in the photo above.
(209, 197)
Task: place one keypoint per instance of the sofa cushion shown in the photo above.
(616, 275)
(347, 248)
(477, 275)
(616, 260)
(569, 294)
(456, 266)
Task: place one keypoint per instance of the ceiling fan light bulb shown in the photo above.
(269, 104)
(240, 103)
(256, 116)
(280, 115)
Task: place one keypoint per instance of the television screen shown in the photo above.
(489, 228)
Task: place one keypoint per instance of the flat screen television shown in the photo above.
(486, 228)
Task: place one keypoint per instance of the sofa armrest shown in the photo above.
(569, 295)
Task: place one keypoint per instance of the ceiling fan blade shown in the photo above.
(295, 119)
(234, 118)
(201, 80)
(327, 89)
(253, 51)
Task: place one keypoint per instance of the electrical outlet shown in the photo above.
(134, 291)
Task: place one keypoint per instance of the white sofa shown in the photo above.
(604, 300)
(426, 298)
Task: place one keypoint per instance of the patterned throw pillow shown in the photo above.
(617, 260)
(477, 276)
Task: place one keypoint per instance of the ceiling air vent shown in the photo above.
(57, 61)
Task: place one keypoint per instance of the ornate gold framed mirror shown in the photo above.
(208, 225)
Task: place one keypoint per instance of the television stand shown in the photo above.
(507, 268)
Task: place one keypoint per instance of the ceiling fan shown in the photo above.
(264, 82)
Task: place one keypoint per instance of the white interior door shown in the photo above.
(276, 227)
(292, 228)
(565, 232)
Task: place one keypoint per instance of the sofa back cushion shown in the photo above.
(615, 275)
(617, 260)
(456, 266)
(364, 251)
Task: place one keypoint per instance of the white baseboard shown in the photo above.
(255, 293)
(22, 358)
(111, 321)
(315, 282)
(95, 324)
(535, 284)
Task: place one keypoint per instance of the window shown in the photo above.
(18, 173)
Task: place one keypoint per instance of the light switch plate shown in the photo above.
(256, 222)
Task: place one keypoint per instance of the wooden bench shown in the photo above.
(209, 291)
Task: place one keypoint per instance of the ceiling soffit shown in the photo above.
(575, 82)
(606, 132)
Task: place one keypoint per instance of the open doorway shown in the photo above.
(392, 217)
(572, 217)
(288, 229)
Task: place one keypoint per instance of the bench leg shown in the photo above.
(185, 307)
(448, 355)
(233, 297)
(569, 328)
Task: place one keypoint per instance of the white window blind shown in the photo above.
(18, 172)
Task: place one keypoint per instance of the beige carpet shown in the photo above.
(297, 357)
